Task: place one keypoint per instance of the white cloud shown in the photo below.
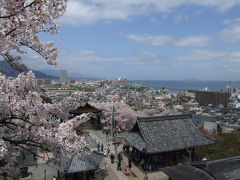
(231, 33)
(208, 55)
(193, 41)
(85, 12)
(155, 40)
(159, 40)
(231, 21)
(147, 53)
(82, 60)
(146, 64)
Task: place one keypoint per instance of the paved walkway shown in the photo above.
(137, 173)
(118, 174)
(38, 172)
(111, 169)
(40, 168)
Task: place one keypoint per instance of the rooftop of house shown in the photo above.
(84, 161)
(85, 109)
(186, 172)
(165, 133)
(220, 169)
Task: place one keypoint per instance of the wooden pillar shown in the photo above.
(176, 157)
(167, 161)
(193, 154)
(164, 160)
(181, 156)
(189, 155)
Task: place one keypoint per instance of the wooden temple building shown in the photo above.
(156, 142)
(85, 165)
(93, 123)
(82, 166)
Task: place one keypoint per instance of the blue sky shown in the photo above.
(149, 40)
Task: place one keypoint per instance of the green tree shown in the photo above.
(46, 99)
(79, 131)
(227, 145)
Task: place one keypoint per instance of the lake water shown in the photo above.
(189, 85)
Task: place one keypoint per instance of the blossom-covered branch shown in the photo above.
(124, 115)
(20, 23)
(25, 121)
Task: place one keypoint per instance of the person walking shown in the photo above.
(120, 156)
(115, 147)
(129, 163)
(124, 147)
(105, 152)
(119, 166)
(98, 147)
(107, 137)
(127, 148)
(145, 177)
(112, 158)
(102, 147)
(108, 150)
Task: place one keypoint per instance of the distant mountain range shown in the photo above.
(9, 71)
(6, 69)
(70, 75)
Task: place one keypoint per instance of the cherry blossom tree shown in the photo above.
(25, 122)
(152, 112)
(124, 115)
(21, 21)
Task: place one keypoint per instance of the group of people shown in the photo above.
(106, 152)
(119, 163)
(118, 156)
(115, 157)
(100, 148)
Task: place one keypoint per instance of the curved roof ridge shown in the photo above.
(229, 158)
(164, 118)
(146, 139)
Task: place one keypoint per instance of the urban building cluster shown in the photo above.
(219, 108)
(152, 145)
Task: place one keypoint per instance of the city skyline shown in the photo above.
(153, 40)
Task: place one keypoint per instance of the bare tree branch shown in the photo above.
(34, 50)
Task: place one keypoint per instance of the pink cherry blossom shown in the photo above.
(26, 121)
(124, 115)
(21, 21)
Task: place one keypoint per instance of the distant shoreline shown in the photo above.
(180, 85)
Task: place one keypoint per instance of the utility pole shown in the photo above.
(45, 174)
(113, 123)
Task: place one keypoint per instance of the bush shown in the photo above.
(79, 131)
(46, 99)
(227, 145)
(24, 172)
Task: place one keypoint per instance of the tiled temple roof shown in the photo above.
(165, 133)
